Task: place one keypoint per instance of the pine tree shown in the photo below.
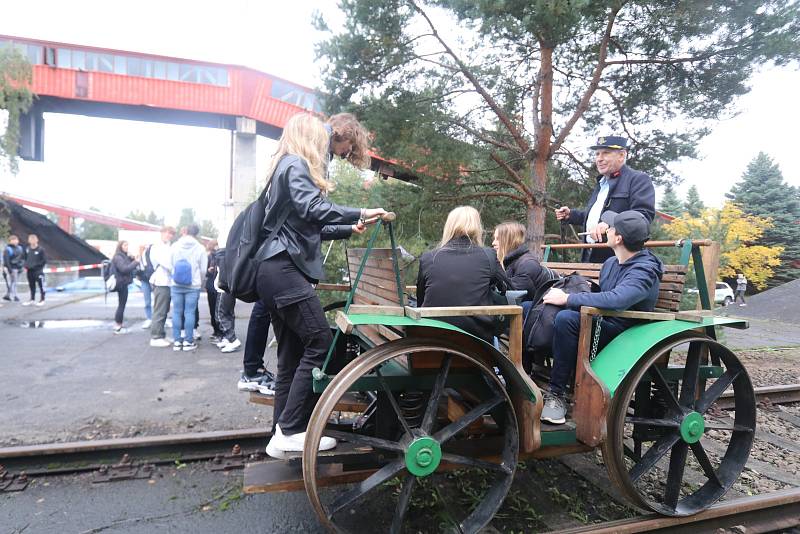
(670, 203)
(763, 192)
(694, 205)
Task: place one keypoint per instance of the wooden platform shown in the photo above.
(341, 465)
(349, 402)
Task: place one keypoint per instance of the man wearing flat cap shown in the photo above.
(619, 188)
(629, 280)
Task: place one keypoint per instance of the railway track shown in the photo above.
(771, 512)
(782, 394)
(229, 449)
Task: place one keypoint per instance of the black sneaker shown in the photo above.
(7, 298)
(249, 383)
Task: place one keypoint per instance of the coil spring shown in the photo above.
(412, 404)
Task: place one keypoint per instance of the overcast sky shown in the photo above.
(118, 166)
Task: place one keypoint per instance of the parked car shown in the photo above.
(723, 294)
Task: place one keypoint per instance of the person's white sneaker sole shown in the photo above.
(231, 347)
(161, 343)
(146, 325)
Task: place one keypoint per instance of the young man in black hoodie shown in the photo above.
(628, 281)
(35, 260)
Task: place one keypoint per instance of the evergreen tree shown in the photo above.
(694, 205)
(94, 230)
(487, 95)
(670, 203)
(763, 192)
(151, 217)
(187, 218)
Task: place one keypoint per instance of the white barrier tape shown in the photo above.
(71, 269)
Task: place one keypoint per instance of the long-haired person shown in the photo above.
(124, 266)
(461, 272)
(522, 267)
(291, 263)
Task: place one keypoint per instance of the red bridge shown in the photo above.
(101, 82)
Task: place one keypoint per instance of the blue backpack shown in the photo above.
(182, 272)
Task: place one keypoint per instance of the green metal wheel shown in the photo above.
(405, 434)
(667, 407)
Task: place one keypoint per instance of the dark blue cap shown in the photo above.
(614, 142)
(631, 225)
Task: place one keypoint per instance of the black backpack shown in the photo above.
(145, 274)
(237, 270)
(537, 331)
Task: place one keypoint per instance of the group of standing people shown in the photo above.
(174, 274)
(31, 259)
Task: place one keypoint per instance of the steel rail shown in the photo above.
(80, 456)
(762, 513)
(781, 394)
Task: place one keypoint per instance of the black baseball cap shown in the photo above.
(614, 142)
(631, 225)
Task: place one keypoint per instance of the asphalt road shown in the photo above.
(66, 376)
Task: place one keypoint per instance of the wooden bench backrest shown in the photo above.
(378, 282)
(669, 293)
(377, 286)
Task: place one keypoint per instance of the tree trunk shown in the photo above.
(537, 208)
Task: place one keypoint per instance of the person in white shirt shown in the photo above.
(161, 258)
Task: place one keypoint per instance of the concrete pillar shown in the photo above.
(240, 189)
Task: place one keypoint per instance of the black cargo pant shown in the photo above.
(257, 337)
(303, 339)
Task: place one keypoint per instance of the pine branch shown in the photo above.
(583, 104)
(504, 118)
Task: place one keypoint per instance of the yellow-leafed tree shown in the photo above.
(737, 234)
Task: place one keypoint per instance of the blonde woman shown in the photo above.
(522, 267)
(461, 272)
(291, 262)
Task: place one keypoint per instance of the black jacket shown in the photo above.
(630, 190)
(461, 274)
(35, 258)
(525, 271)
(312, 217)
(13, 257)
(632, 285)
(124, 266)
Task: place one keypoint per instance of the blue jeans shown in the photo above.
(184, 306)
(147, 291)
(566, 329)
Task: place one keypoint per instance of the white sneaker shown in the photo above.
(177, 346)
(231, 347)
(160, 343)
(27, 303)
(41, 303)
(146, 324)
(121, 330)
(221, 343)
(280, 444)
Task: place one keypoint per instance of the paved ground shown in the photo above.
(189, 500)
(66, 376)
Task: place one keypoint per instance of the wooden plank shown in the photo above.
(528, 413)
(396, 311)
(670, 305)
(373, 272)
(459, 311)
(710, 257)
(573, 266)
(347, 403)
(629, 314)
(262, 477)
(592, 397)
(387, 333)
(343, 322)
(365, 297)
(380, 289)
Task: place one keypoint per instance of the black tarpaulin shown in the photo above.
(58, 244)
